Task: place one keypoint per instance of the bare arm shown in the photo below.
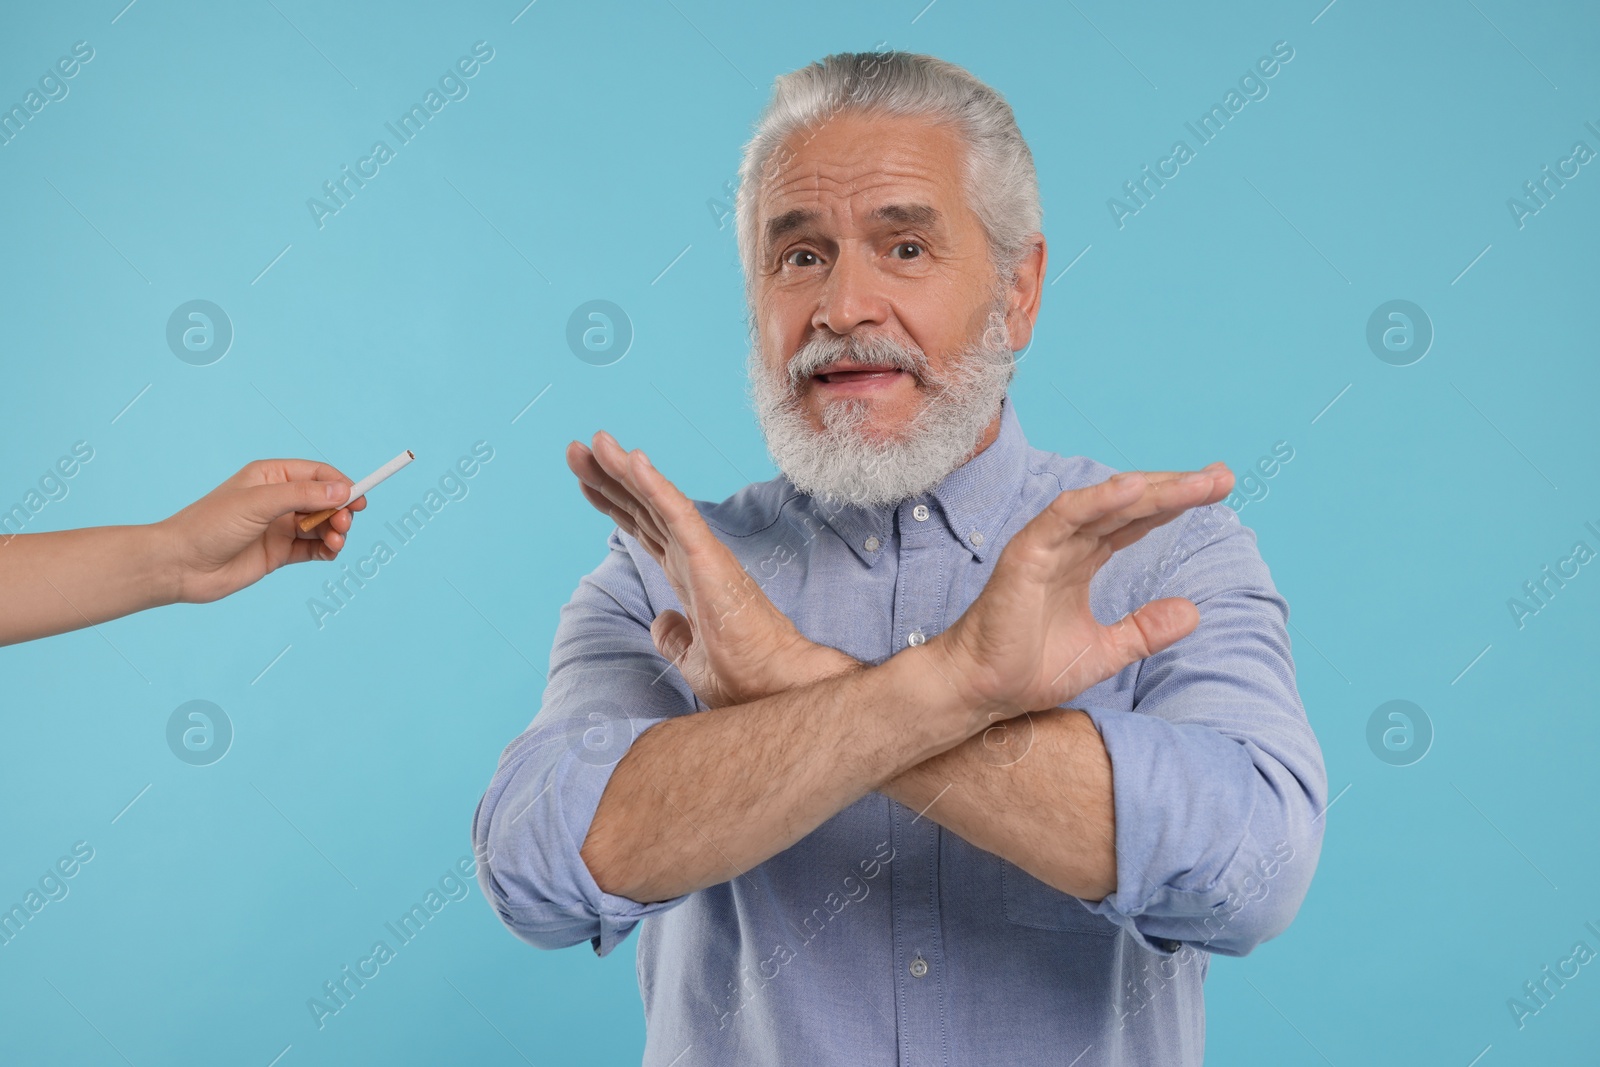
(1050, 812)
(228, 539)
(54, 582)
(1034, 790)
(702, 798)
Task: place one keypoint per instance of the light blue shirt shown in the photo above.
(881, 937)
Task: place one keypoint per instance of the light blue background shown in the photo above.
(590, 154)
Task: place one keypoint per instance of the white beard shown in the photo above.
(844, 465)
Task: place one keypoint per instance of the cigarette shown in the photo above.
(360, 489)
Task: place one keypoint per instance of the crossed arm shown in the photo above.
(798, 731)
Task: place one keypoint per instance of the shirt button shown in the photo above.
(919, 967)
(920, 513)
(871, 544)
(915, 637)
(976, 537)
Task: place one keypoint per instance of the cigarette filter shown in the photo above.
(359, 490)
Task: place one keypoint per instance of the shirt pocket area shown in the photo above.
(1027, 901)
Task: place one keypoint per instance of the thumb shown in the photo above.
(1158, 625)
(263, 503)
(672, 634)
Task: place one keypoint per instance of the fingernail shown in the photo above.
(1193, 477)
(337, 491)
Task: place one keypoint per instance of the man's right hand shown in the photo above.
(1029, 641)
(731, 643)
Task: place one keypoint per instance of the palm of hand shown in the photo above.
(730, 635)
(1030, 641)
(731, 643)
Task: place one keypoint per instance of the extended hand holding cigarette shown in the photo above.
(359, 490)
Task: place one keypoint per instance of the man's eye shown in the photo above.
(914, 247)
(790, 258)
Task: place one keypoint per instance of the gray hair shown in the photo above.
(1002, 188)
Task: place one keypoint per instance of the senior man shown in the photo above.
(937, 748)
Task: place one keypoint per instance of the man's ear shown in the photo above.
(1025, 293)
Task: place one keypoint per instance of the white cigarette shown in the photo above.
(361, 488)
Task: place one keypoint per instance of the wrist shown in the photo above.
(795, 663)
(975, 689)
(157, 551)
(819, 662)
(942, 693)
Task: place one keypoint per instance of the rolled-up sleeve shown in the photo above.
(1218, 779)
(607, 685)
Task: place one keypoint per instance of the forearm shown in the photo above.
(1035, 790)
(1051, 813)
(702, 798)
(54, 582)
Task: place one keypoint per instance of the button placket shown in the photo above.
(924, 554)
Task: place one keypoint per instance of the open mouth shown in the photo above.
(846, 375)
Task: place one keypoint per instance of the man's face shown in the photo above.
(864, 231)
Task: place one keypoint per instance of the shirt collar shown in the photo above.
(973, 501)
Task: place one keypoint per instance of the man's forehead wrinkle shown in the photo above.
(824, 196)
(855, 173)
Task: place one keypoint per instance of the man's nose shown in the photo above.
(852, 296)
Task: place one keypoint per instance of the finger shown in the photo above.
(1222, 480)
(624, 520)
(340, 521)
(621, 493)
(582, 462)
(311, 550)
(677, 512)
(268, 471)
(1124, 536)
(1189, 490)
(1159, 477)
(610, 455)
(263, 503)
(336, 529)
(1073, 508)
(673, 515)
(624, 499)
